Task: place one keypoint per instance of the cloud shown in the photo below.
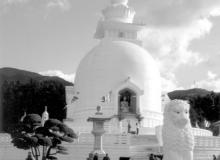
(212, 82)
(170, 45)
(171, 27)
(174, 12)
(211, 75)
(43, 5)
(58, 73)
(212, 85)
(173, 24)
(62, 4)
(215, 11)
(170, 83)
(15, 1)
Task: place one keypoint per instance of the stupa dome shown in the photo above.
(109, 65)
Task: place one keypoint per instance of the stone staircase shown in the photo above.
(116, 145)
(205, 147)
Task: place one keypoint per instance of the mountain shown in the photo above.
(184, 94)
(13, 74)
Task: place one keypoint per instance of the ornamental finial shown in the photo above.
(124, 2)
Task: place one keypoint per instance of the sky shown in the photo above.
(50, 37)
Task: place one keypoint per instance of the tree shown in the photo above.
(32, 97)
(196, 111)
(29, 134)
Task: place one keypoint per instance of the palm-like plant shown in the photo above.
(29, 134)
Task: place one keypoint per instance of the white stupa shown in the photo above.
(117, 74)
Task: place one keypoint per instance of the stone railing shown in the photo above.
(207, 142)
(201, 132)
(5, 139)
(152, 119)
(108, 139)
(116, 139)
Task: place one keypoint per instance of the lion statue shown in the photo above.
(178, 139)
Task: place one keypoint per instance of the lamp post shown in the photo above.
(98, 130)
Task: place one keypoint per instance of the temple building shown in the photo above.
(122, 79)
(119, 75)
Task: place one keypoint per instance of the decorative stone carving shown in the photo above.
(178, 139)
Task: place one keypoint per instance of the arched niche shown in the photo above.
(127, 101)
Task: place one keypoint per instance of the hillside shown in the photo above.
(13, 74)
(183, 94)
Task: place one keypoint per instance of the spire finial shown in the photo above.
(119, 11)
(125, 2)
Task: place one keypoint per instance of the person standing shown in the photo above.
(214, 157)
(151, 157)
(137, 128)
(129, 127)
(96, 157)
(106, 157)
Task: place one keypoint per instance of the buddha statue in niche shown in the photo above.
(124, 105)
